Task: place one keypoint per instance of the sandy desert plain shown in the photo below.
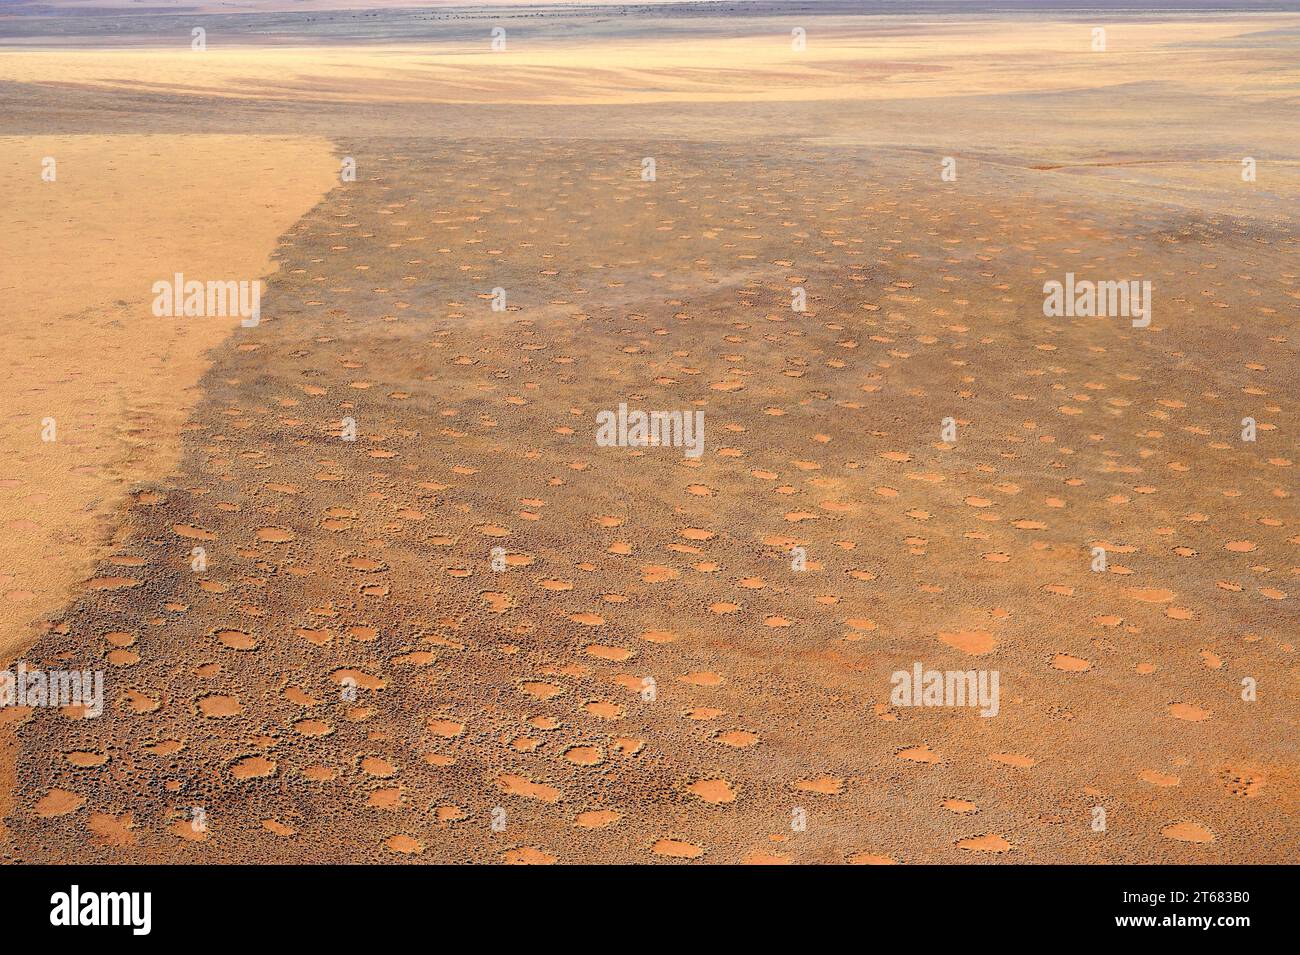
(474, 634)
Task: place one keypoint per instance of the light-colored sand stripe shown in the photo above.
(82, 345)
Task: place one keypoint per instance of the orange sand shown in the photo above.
(81, 255)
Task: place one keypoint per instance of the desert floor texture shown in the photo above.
(351, 677)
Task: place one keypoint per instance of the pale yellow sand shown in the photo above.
(81, 344)
(882, 58)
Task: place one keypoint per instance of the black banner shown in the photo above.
(322, 904)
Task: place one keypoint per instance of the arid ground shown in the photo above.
(474, 634)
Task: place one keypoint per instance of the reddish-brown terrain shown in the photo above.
(473, 634)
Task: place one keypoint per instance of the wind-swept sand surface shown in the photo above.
(847, 58)
(473, 634)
